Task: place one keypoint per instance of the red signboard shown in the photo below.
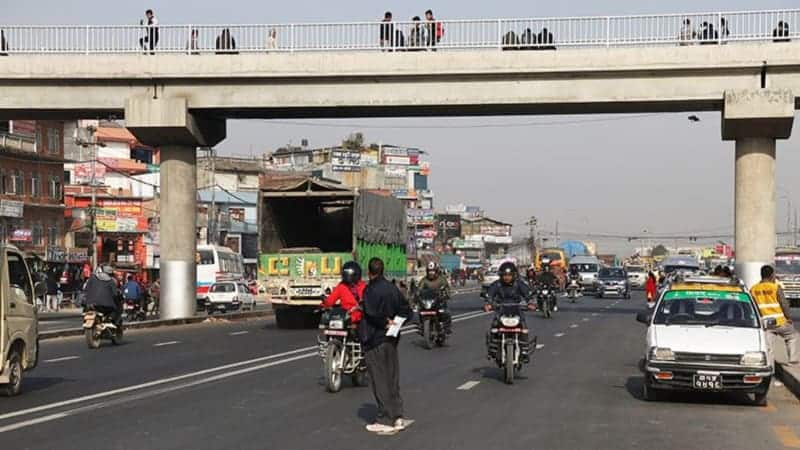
(22, 235)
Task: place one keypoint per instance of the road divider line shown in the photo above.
(585, 319)
(468, 385)
(787, 437)
(595, 314)
(559, 334)
(539, 346)
(574, 325)
(163, 381)
(64, 358)
(162, 344)
(28, 423)
(238, 333)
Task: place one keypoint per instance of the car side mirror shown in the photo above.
(644, 317)
(39, 289)
(770, 323)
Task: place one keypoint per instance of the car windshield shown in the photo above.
(223, 288)
(708, 308)
(552, 256)
(584, 268)
(636, 269)
(787, 266)
(680, 267)
(612, 273)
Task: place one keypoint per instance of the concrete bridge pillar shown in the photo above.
(167, 123)
(755, 119)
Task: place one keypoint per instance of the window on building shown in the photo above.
(14, 185)
(53, 139)
(3, 232)
(3, 181)
(55, 188)
(36, 184)
(37, 234)
(52, 236)
(37, 143)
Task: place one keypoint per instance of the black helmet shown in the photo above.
(507, 268)
(351, 272)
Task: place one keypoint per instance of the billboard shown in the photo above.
(496, 230)
(83, 173)
(420, 216)
(345, 161)
(397, 160)
(396, 171)
(448, 226)
(11, 208)
(303, 265)
(21, 235)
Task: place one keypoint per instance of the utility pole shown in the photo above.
(93, 187)
(558, 240)
(212, 219)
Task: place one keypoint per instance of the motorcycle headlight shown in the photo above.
(545, 292)
(509, 321)
(661, 354)
(336, 324)
(428, 304)
(754, 359)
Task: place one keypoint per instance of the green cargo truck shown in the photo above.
(308, 228)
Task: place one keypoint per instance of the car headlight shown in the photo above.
(661, 354)
(754, 359)
(509, 321)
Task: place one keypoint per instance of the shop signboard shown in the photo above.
(395, 151)
(397, 160)
(345, 161)
(11, 208)
(448, 226)
(22, 235)
(77, 255)
(393, 171)
(495, 230)
(55, 254)
(83, 173)
(420, 216)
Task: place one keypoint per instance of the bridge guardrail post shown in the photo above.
(88, 32)
(608, 31)
(291, 37)
(500, 34)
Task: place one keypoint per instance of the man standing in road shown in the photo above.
(383, 302)
(773, 304)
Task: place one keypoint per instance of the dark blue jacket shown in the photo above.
(132, 290)
(382, 302)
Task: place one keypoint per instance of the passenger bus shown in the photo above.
(215, 263)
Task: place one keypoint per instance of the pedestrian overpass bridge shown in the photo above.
(178, 96)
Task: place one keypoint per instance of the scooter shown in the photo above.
(573, 290)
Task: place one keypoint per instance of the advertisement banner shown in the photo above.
(345, 161)
(395, 171)
(21, 235)
(11, 208)
(55, 254)
(420, 216)
(448, 226)
(305, 265)
(395, 151)
(496, 230)
(397, 160)
(83, 173)
(77, 255)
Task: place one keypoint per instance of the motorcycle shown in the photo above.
(545, 300)
(573, 289)
(508, 340)
(132, 311)
(340, 350)
(430, 325)
(98, 325)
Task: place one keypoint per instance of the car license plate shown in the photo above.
(708, 382)
(304, 291)
(335, 333)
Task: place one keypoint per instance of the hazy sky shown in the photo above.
(660, 172)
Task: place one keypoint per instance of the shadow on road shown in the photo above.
(32, 383)
(368, 412)
(634, 387)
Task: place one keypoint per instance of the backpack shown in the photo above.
(439, 30)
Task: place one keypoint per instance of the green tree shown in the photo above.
(354, 142)
(660, 250)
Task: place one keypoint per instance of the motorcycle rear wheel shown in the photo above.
(333, 373)
(546, 309)
(116, 338)
(509, 367)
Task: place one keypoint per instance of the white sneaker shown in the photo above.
(555, 308)
(380, 428)
(401, 424)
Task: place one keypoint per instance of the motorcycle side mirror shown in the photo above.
(644, 317)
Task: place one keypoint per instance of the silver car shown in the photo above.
(637, 276)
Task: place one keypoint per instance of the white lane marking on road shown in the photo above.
(238, 333)
(161, 344)
(585, 319)
(559, 334)
(468, 385)
(162, 381)
(595, 314)
(539, 346)
(63, 358)
(574, 325)
(36, 421)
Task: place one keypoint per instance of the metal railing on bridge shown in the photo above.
(501, 34)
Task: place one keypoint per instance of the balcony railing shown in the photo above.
(449, 35)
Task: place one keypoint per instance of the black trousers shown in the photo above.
(383, 366)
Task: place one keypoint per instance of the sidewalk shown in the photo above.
(63, 313)
(789, 375)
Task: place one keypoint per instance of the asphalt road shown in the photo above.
(248, 385)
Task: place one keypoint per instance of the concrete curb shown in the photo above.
(53, 318)
(790, 377)
(160, 323)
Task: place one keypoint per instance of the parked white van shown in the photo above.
(19, 334)
(706, 334)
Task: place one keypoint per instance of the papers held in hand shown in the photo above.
(394, 328)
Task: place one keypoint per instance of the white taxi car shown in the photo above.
(229, 295)
(705, 334)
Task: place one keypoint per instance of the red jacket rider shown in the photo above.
(349, 292)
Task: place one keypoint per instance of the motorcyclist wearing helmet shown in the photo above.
(508, 288)
(547, 280)
(102, 293)
(349, 292)
(436, 281)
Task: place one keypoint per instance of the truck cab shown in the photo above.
(787, 271)
(19, 334)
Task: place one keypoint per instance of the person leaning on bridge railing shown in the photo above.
(387, 31)
(150, 39)
(687, 34)
(781, 33)
(3, 44)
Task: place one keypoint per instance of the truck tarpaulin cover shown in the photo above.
(380, 219)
